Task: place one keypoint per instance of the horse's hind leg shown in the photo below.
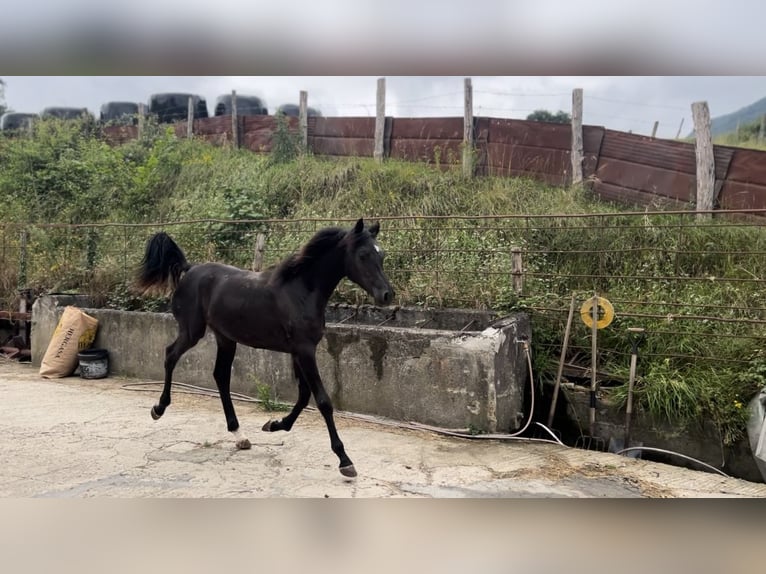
(304, 394)
(186, 339)
(222, 375)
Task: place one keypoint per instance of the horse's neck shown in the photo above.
(324, 276)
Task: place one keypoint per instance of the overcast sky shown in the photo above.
(617, 102)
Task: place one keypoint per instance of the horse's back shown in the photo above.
(208, 276)
(236, 303)
(203, 283)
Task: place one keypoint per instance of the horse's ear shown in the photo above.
(359, 226)
(374, 228)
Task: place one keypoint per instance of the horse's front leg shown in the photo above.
(227, 348)
(308, 368)
(304, 394)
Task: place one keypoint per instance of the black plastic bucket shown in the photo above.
(94, 363)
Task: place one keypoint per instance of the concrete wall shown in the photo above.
(700, 442)
(470, 379)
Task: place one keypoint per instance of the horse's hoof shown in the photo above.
(243, 444)
(155, 415)
(348, 471)
(268, 425)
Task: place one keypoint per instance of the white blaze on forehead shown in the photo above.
(377, 248)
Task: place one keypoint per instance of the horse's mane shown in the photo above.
(322, 242)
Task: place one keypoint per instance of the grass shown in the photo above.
(688, 371)
(269, 400)
(747, 137)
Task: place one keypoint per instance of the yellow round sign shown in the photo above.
(606, 313)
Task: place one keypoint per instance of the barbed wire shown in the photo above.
(428, 107)
(643, 104)
(507, 110)
(431, 97)
(622, 118)
(179, 112)
(446, 218)
(522, 94)
(682, 356)
(174, 114)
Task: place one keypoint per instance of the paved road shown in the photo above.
(77, 438)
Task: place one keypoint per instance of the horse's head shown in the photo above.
(364, 263)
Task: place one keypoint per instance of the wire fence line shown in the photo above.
(668, 121)
(700, 279)
(640, 104)
(414, 237)
(620, 113)
(601, 216)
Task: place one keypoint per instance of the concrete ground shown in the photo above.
(83, 438)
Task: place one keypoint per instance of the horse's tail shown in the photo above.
(163, 261)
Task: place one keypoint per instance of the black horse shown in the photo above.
(280, 309)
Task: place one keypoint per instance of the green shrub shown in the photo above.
(689, 370)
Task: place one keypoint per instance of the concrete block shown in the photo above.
(456, 379)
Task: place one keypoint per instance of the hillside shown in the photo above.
(722, 125)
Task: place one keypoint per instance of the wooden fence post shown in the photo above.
(125, 271)
(468, 129)
(91, 246)
(141, 114)
(190, 119)
(22, 280)
(380, 120)
(594, 366)
(762, 129)
(577, 139)
(260, 242)
(678, 134)
(24, 308)
(303, 119)
(517, 270)
(234, 125)
(705, 158)
(654, 129)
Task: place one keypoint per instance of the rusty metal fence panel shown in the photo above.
(620, 167)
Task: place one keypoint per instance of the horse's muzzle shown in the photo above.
(384, 297)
